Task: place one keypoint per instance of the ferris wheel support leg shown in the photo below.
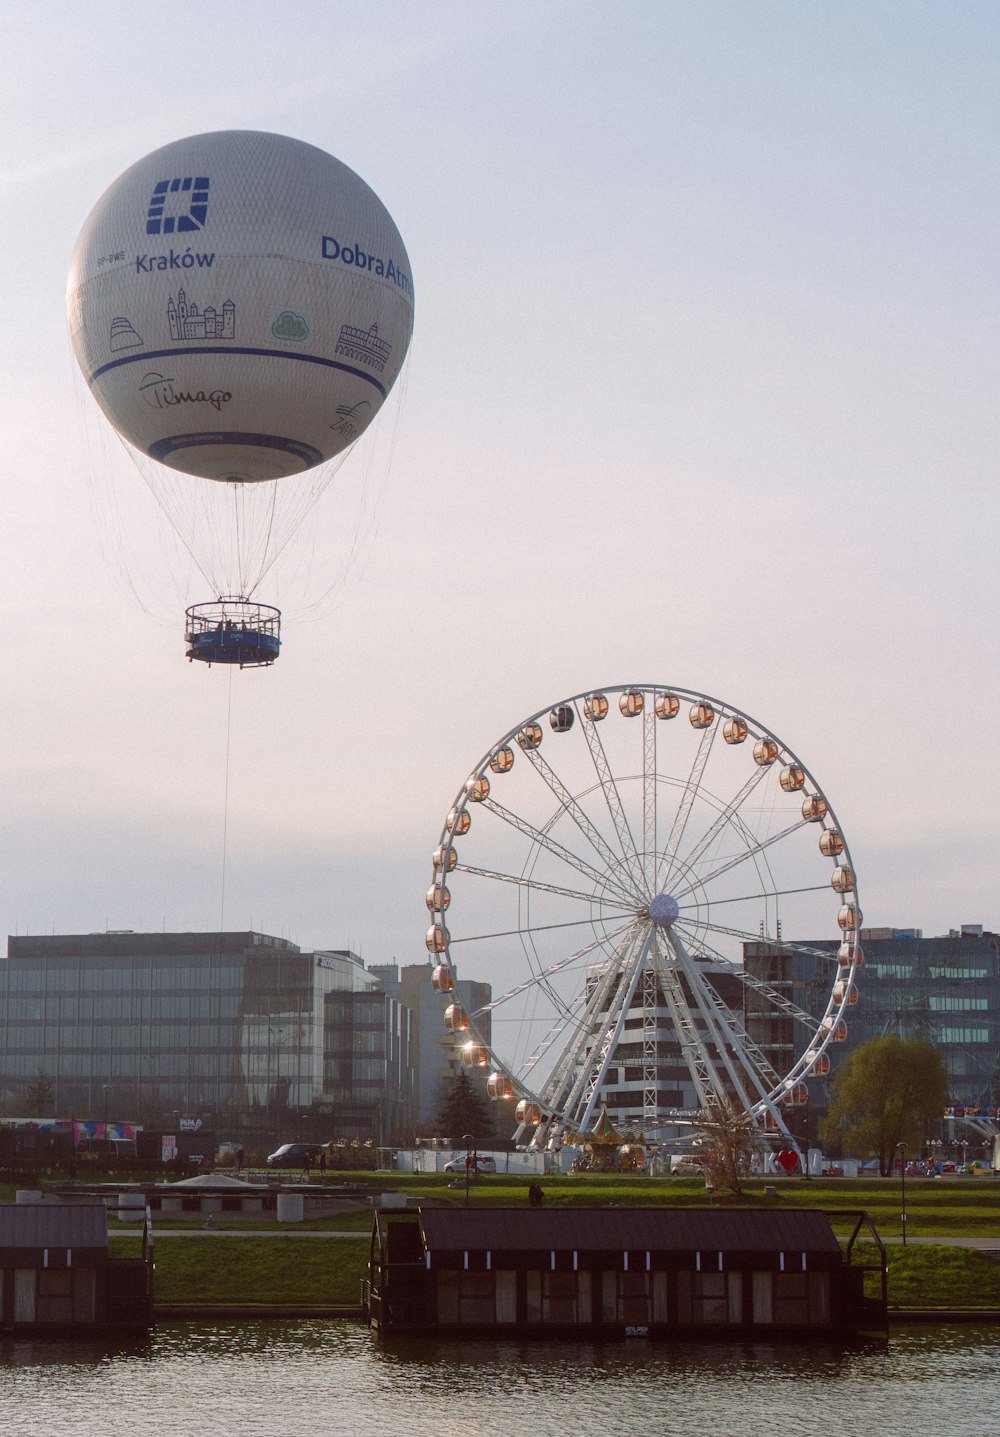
(748, 1086)
(564, 1089)
(613, 1037)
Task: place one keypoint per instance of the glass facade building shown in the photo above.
(367, 1074)
(945, 989)
(436, 1053)
(144, 1025)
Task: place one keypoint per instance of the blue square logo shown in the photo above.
(178, 206)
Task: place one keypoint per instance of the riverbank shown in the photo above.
(312, 1272)
(298, 1268)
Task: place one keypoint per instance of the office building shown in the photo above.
(945, 989)
(436, 1053)
(227, 1027)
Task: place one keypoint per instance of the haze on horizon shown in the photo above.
(702, 391)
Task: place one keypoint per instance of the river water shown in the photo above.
(330, 1378)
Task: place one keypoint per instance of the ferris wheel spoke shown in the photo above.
(571, 807)
(606, 1011)
(599, 998)
(722, 820)
(756, 897)
(753, 851)
(778, 1000)
(761, 1061)
(520, 932)
(746, 936)
(537, 887)
(696, 1059)
(729, 1052)
(544, 976)
(649, 826)
(590, 1084)
(606, 935)
(567, 1023)
(696, 926)
(569, 1060)
(809, 950)
(759, 986)
(557, 1030)
(609, 788)
(691, 788)
(601, 881)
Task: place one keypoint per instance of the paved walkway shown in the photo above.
(202, 1231)
(984, 1244)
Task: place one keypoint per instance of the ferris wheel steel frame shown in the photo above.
(648, 877)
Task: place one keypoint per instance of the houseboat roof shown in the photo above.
(76, 1225)
(621, 1229)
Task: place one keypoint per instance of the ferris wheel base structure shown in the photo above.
(611, 863)
(233, 630)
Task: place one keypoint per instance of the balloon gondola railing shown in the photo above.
(233, 631)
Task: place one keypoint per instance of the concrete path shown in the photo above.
(984, 1244)
(202, 1231)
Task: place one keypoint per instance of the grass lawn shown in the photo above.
(947, 1277)
(327, 1271)
(278, 1271)
(270, 1271)
(956, 1207)
(962, 1207)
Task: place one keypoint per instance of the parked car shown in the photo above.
(484, 1164)
(685, 1167)
(295, 1155)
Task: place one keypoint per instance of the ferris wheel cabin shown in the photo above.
(233, 631)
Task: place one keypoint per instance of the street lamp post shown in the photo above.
(805, 1125)
(901, 1149)
(470, 1145)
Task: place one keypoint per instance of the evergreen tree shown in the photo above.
(40, 1097)
(463, 1111)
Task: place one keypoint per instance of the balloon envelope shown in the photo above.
(240, 304)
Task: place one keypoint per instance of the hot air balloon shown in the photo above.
(240, 305)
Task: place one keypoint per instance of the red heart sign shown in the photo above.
(789, 1161)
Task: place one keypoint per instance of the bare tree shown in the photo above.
(727, 1138)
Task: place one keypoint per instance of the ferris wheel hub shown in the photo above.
(664, 910)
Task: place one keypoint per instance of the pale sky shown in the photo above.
(703, 391)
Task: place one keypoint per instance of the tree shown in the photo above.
(885, 1093)
(40, 1097)
(726, 1138)
(462, 1110)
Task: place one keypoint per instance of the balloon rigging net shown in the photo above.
(233, 630)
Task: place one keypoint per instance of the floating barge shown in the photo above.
(622, 1272)
(58, 1277)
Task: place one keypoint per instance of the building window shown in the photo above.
(949, 1003)
(962, 1035)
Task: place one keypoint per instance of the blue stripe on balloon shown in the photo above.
(235, 437)
(236, 349)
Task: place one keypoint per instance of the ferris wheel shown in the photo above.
(642, 875)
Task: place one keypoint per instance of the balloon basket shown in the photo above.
(233, 631)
